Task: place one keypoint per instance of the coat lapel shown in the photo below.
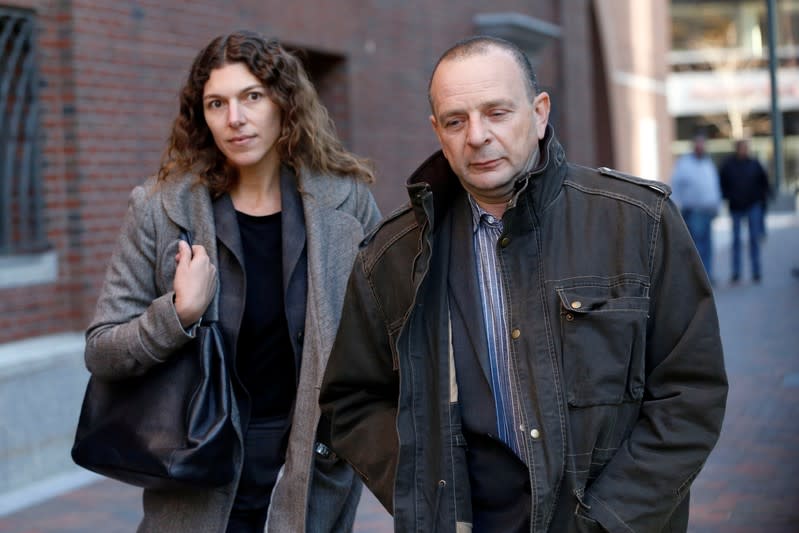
(227, 227)
(230, 268)
(332, 239)
(295, 261)
(187, 203)
(293, 222)
(463, 285)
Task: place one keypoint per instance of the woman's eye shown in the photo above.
(254, 97)
(214, 104)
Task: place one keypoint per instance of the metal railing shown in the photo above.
(21, 223)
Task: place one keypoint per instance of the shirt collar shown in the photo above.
(481, 215)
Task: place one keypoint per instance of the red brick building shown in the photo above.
(105, 77)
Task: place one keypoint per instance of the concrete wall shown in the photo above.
(42, 381)
(635, 38)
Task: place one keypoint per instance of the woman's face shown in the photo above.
(243, 119)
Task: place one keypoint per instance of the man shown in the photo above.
(695, 189)
(529, 345)
(744, 183)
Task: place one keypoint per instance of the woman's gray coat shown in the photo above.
(135, 327)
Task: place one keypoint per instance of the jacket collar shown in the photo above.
(292, 220)
(433, 185)
(187, 203)
(293, 223)
(185, 198)
(316, 197)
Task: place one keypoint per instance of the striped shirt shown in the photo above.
(487, 231)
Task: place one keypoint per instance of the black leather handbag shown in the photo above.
(168, 428)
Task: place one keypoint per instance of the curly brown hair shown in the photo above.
(307, 140)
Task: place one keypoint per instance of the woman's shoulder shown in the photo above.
(170, 197)
(172, 186)
(329, 178)
(329, 188)
(144, 195)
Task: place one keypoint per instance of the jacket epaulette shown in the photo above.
(652, 184)
(397, 213)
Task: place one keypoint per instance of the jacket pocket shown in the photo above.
(603, 332)
(584, 524)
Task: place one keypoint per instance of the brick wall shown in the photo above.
(110, 74)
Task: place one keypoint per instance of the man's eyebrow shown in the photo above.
(499, 102)
(244, 90)
(449, 114)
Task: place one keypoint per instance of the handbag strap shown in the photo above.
(212, 311)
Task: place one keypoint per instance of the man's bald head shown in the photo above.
(483, 44)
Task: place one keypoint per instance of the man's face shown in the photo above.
(486, 123)
(742, 149)
(699, 145)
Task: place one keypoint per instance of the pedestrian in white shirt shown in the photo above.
(697, 192)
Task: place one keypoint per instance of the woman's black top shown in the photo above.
(264, 357)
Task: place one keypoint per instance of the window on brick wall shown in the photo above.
(21, 223)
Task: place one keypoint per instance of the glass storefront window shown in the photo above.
(719, 77)
(718, 24)
(787, 24)
(703, 25)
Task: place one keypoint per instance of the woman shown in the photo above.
(277, 208)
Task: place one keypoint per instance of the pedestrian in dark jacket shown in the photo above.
(529, 345)
(744, 183)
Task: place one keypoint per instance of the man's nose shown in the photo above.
(478, 134)
(235, 115)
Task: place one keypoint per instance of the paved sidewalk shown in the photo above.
(751, 480)
(106, 506)
(750, 483)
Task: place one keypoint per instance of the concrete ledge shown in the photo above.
(40, 491)
(38, 352)
(528, 33)
(42, 381)
(32, 269)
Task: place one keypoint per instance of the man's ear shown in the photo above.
(434, 123)
(541, 108)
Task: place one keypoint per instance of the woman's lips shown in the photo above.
(241, 140)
